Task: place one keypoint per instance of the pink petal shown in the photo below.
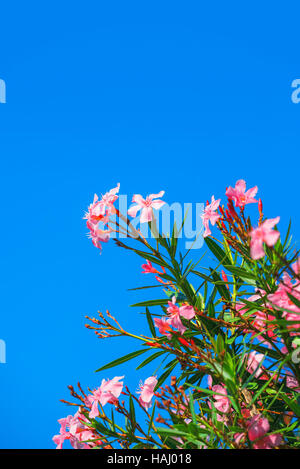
(230, 193)
(138, 199)
(134, 210)
(187, 311)
(115, 190)
(146, 215)
(269, 224)
(275, 440)
(207, 231)
(156, 196)
(146, 394)
(157, 204)
(271, 238)
(251, 193)
(58, 440)
(151, 381)
(258, 427)
(214, 218)
(214, 203)
(94, 411)
(240, 186)
(177, 324)
(257, 250)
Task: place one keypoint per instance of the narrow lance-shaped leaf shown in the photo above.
(123, 359)
(150, 323)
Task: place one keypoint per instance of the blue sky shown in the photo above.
(182, 97)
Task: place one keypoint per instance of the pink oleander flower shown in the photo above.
(175, 312)
(108, 392)
(98, 236)
(146, 392)
(239, 438)
(268, 442)
(95, 212)
(109, 199)
(63, 432)
(100, 210)
(258, 426)
(74, 429)
(210, 215)
(222, 402)
(163, 326)
(281, 299)
(263, 234)
(291, 382)
(239, 195)
(254, 361)
(146, 206)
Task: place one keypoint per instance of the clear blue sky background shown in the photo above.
(183, 97)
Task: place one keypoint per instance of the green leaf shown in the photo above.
(203, 276)
(132, 411)
(150, 323)
(165, 375)
(174, 240)
(218, 252)
(151, 258)
(151, 418)
(152, 303)
(292, 404)
(220, 286)
(192, 408)
(243, 274)
(122, 360)
(220, 344)
(150, 359)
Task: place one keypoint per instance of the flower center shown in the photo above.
(148, 202)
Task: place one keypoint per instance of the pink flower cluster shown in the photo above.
(75, 429)
(257, 426)
(108, 392)
(281, 299)
(174, 314)
(237, 194)
(258, 236)
(100, 211)
(257, 429)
